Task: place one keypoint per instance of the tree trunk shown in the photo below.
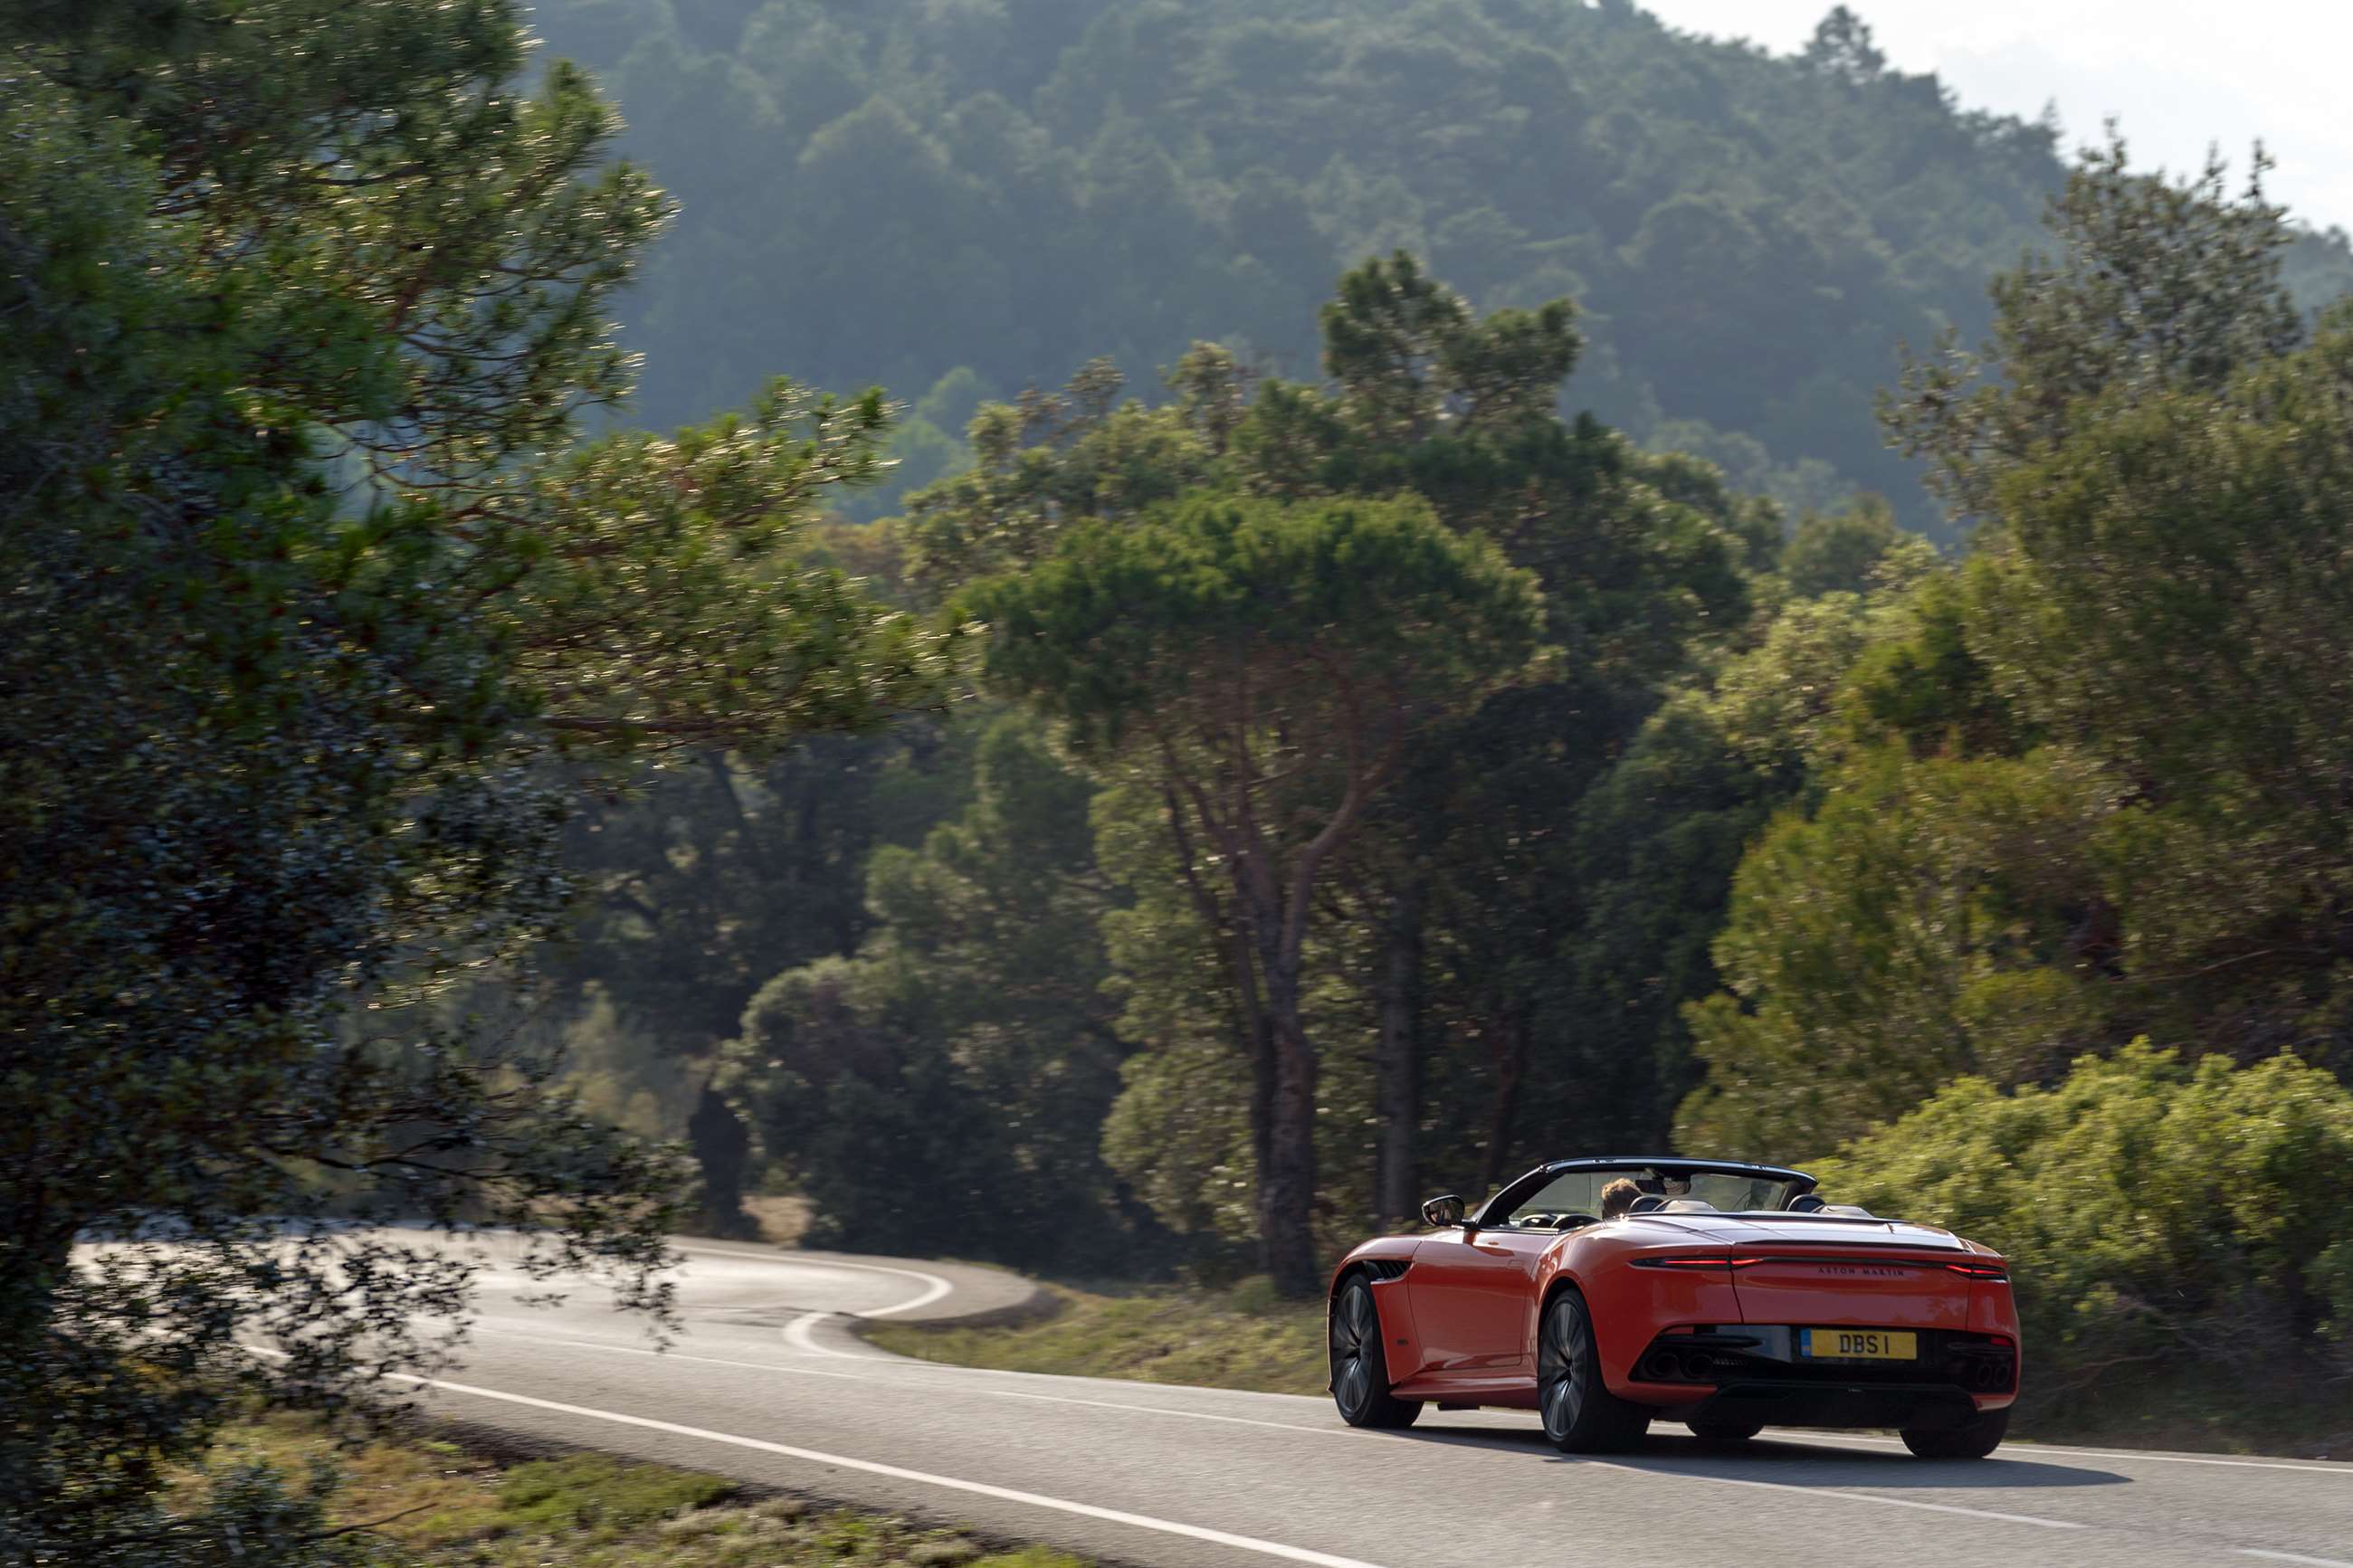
(1286, 1177)
(1510, 1071)
(1397, 1084)
(723, 1149)
(1258, 1038)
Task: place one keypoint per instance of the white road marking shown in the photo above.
(2292, 1557)
(1849, 1497)
(900, 1473)
(797, 1335)
(914, 1384)
(1321, 1431)
(2021, 1450)
(933, 1286)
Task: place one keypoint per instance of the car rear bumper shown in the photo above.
(1911, 1406)
(1751, 1371)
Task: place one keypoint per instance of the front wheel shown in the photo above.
(1972, 1440)
(1580, 1415)
(1360, 1366)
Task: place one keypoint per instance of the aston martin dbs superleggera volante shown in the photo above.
(1728, 1297)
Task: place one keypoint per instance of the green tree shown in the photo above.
(704, 878)
(305, 581)
(1268, 666)
(1841, 551)
(953, 1074)
(2156, 284)
(1907, 932)
(1655, 842)
(1641, 557)
(2087, 798)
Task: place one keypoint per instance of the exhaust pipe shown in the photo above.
(1985, 1374)
(1677, 1366)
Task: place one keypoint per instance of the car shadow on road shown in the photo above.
(1791, 1464)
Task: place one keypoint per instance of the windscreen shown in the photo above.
(1581, 1192)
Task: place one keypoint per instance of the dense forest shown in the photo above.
(1446, 597)
(962, 198)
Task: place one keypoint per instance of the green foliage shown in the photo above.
(304, 575)
(2147, 1204)
(1266, 666)
(1843, 552)
(950, 1078)
(1656, 841)
(2156, 284)
(699, 882)
(896, 189)
(1640, 556)
(551, 1496)
(1241, 620)
(1905, 933)
(2091, 796)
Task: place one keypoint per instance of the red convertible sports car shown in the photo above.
(1726, 1296)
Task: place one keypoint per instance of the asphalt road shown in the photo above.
(767, 1384)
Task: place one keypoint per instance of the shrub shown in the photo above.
(2169, 1223)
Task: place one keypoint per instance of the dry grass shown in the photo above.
(782, 1219)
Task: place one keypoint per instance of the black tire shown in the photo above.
(1973, 1439)
(1724, 1431)
(1360, 1365)
(1580, 1415)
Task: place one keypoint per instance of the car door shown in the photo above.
(1470, 1291)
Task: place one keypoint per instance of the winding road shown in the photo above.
(769, 1384)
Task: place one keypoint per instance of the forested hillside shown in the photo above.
(896, 190)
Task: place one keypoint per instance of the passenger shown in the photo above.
(1618, 1197)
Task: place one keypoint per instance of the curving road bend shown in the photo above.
(769, 1384)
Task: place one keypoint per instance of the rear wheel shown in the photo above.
(1580, 1415)
(1973, 1439)
(1360, 1373)
(1724, 1431)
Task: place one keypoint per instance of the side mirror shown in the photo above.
(1442, 1211)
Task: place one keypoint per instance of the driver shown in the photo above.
(1618, 1197)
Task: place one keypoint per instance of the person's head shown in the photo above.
(1618, 1197)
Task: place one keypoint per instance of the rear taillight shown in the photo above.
(1974, 1270)
(1698, 1260)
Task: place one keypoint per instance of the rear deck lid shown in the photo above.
(1812, 1270)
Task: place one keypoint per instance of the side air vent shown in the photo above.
(1386, 1268)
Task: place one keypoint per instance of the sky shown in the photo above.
(2177, 75)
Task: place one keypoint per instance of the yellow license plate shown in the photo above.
(1858, 1344)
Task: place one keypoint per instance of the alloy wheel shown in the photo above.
(1355, 1334)
(1563, 1376)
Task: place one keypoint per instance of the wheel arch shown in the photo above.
(1550, 1287)
(1399, 1335)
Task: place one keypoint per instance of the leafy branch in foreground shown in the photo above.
(301, 579)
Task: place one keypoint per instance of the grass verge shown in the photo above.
(427, 1503)
(1243, 1338)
